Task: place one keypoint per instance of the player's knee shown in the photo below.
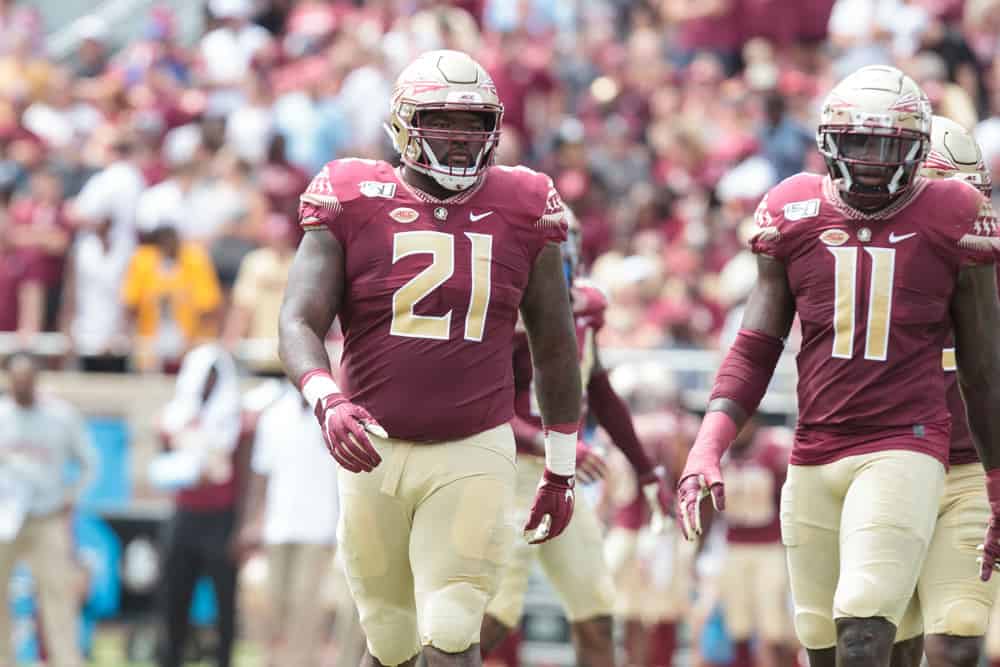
(452, 617)
(966, 618)
(951, 651)
(864, 641)
(815, 631)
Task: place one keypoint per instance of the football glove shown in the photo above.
(552, 509)
(702, 476)
(990, 548)
(344, 425)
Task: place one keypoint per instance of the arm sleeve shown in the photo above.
(747, 369)
(980, 243)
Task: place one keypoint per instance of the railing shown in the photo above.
(691, 371)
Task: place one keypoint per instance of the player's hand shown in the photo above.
(590, 465)
(658, 497)
(344, 425)
(552, 510)
(702, 476)
(990, 548)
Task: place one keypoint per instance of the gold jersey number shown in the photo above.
(879, 302)
(441, 247)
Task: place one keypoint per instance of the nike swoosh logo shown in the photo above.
(896, 239)
(476, 218)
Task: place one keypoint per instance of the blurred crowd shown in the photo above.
(148, 189)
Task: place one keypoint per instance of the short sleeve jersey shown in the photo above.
(872, 292)
(432, 290)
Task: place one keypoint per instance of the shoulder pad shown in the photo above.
(798, 197)
(340, 182)
(535, 195)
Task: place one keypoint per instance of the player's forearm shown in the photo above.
(557, 383)
(300, 348)
(613, 415)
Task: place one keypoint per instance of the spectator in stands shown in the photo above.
(172, 297)
(257, 295)
(292, 512)
(234, 211)
(784, 141)
(40, 437)
(228, 51)
(93, 317)
(111, 195)
(39, 234)
(207, 463)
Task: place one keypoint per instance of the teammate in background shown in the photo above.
(878, 263)
(574, 563)
(753, 581)
(951, 608)
(653, 573)
(427, 266)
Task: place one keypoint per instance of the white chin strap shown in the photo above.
(461, 178)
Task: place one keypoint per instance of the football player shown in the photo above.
(879, 263)
(951, 608)
(574, 563)
(427, 265)
(753, 582)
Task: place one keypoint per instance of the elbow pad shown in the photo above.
(747, 369)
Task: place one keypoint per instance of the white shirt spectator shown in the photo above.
(98, 320)
(248, 132)
(301, 505)
(227, 52)
(113, 193)
(36, 446)
(172, 203)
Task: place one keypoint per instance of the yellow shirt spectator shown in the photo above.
(184, 288)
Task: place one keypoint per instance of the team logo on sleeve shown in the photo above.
(834, 237)
(797, 210)
(403, 214)
(377, 189)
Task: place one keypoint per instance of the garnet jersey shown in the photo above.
(432, 290)
(872, 293)
(754, 477)
(589, 304)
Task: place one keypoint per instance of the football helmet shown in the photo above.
(955, 154)
(874, 132)
(444, 81)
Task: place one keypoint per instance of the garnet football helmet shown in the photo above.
(874, 131)
(955, 154)
(444, 81)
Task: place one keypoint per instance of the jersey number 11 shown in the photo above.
(879, 302)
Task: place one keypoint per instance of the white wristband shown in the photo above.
(560, 453)
(318, 386)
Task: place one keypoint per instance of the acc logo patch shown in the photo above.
(403, 215)
(801, 209)
(377, 189)
(834, 237)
